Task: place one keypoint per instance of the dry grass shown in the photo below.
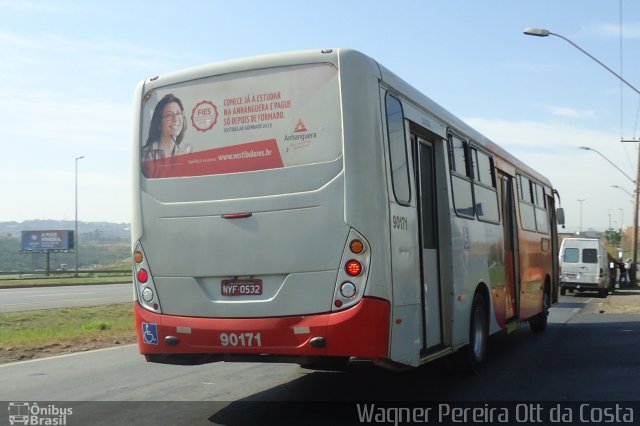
(32, 334)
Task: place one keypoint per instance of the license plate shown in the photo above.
(241, 287)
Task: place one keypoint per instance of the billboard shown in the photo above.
(47, 240)
(249, 121)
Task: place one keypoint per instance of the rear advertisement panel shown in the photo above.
(47, 240)
(248, 121)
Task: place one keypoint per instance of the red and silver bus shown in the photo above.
(312, 207)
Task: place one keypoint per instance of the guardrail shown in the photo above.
(62, 274)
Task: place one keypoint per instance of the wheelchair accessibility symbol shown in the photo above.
(150, 333)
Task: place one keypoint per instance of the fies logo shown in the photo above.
(204, 116)
(32, 414)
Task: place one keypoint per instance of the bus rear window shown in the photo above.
(249, 121)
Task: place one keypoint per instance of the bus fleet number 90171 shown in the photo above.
(240, 339)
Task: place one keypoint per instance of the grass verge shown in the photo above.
(35, 334)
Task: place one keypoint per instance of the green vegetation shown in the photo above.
(66, 327)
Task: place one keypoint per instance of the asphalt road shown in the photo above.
(34, 298)
(587, 354)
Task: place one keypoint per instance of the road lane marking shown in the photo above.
(67, 355)
(60, 294)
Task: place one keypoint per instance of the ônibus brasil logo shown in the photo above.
(26, 413)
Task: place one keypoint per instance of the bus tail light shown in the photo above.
(145, 291)
(353, 268)
(356, 246)
(352, 276)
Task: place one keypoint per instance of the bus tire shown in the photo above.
(539, 322)
(563, 291)
(474, 354)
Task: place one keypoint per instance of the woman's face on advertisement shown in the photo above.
(171, 120)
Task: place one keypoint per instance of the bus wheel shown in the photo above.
(539, 322)
(471, 356)
(563, 291)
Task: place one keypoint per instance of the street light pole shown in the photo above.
(619, 187)
(586, 148)
(581, 201)
(75, 236)
(621, 228)
(540, 32)
(633, 198)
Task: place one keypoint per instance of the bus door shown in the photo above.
(425, 178)
(505, 188)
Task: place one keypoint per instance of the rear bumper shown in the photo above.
(582, 286)
(361, 331)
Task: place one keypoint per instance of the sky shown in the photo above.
(69, 69)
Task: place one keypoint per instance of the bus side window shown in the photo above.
(527, 213)
(484, 187)
(398, 150)
(460, 182)
(542, 219)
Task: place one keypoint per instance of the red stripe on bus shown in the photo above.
(361, 331)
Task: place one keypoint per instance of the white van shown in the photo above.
(585, 266)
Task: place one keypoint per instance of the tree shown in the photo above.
(614, 236)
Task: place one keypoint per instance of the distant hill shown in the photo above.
(88, 231)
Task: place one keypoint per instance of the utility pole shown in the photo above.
(75, 236)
